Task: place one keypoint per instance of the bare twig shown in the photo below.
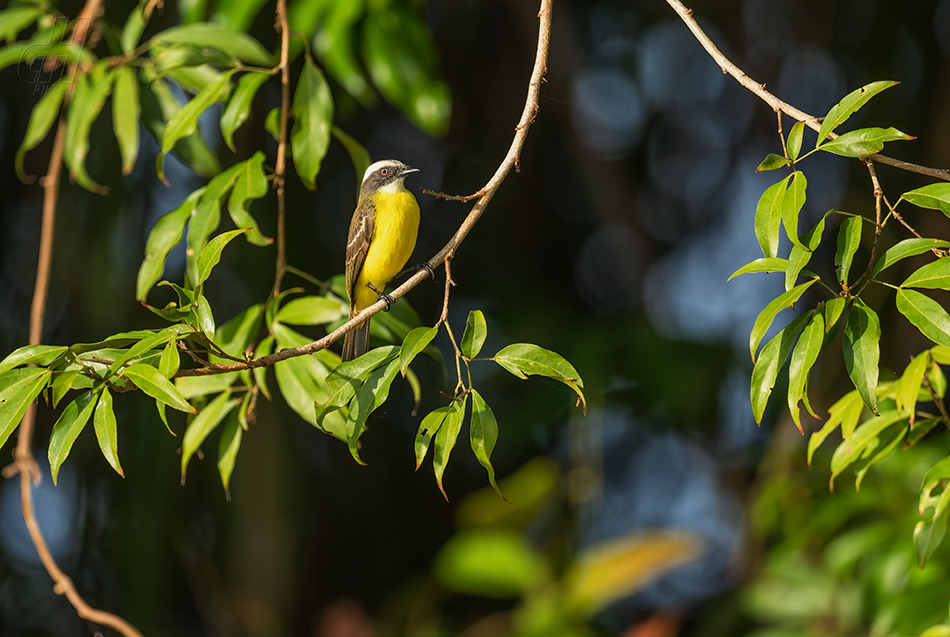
(487, 192)
(280, 168)
(878, 226)
(444, 320)
(759, 90)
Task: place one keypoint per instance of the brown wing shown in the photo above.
(361, 233)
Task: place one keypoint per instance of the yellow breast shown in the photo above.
(394, 238)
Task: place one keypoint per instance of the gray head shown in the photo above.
(385, 175)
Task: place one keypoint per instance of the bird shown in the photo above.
(381, 239)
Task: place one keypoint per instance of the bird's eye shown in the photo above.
(384, 172)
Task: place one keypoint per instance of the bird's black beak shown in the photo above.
(407, 170)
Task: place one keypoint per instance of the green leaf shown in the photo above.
(41, 121)
(863, 142)
(184, 123)
(32, 50)
(206, 218)
(61, 384)
(494, 563)
(40, 355)
(165, 235)
(765, 264)
(934, 275)
(15, 19)
(832, 310)
(334, 43)
(272, 123)
(844, 109)
(862, 334)
(792, 204)
(428, 428)
(909, 385)
(203, 317)
(125, 116)
(887, 447)
(445, 440)
(149, 342)
(370, 395)
(865, 438)
(236, 335)
(228, 40)
(932, 197)
(170, 361)
(88, 100)
(768, 217)
(237, 15)
(211, 255)
(104, 424)
(228, 448)
(907, 248)
(358, 154)
(771, 359)
(18, 388)
(764, 320)
(928, 534)
(301, 379)
(803, 359)
(476, 330)
(523, 359)
(134, 26)
(313, 116)
(416, 341)
(484, 434)
(926, 315)
(67, 428)
(800, 255)
(191, 386)
(309, 310)
(202, 425)
(263, 348)
(772, 162)
(794, 143)
(251, 184)
(147, 378)
(239, 106)
(849, 239)
(844, 413)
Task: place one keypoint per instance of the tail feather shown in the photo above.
(356, 342)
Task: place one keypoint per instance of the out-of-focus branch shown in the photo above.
(280, 168)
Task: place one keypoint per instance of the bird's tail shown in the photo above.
(356, 342)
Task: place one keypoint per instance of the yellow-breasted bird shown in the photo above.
(381, 240)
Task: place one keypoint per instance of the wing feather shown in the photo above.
(361, 234)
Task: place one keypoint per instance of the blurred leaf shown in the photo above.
(768, 217)
(18, 388)
(765, 264)
(921, 429)
(104, 425)
(165, 235)
(272, 123)
(524, 359)
(484, 434)
(764, 320)
(926, 315)
(844, 109)
(313, 116)
(89, 97)
(15, 19)
(844, 413)
(39, 47)
(203, 424)
(237, 15)
(792, 203)
(907, 248)
(800, 255)
(933, 197)
(191, 386)
(179, 57)
(866, 435)
(794, 143)
(445, 440)
(206, 34)
(251, 184)
(803, 359)
(864, 141)
(849, 239)
(228, 448)
(371, 394)
(239, 106)
(416, 341)
(301, 379)
(67, 428)
(309, 310)
(344, 379)
(490, 563)
(476, 330)
(772, 162)
(134, 26)
(909, 385)
(211, 254)
(887, 448)
(41, 121)
(934, 275)
(40, 355)
(125, 116)
(358, 155)
(862, 334)
(531, 487)
(147, 378)
(771, 359)
(333, 43)
(928, 534)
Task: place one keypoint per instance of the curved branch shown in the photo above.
(485, 194)
(778, 105)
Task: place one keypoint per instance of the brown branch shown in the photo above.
(487, 192)
(280, 168)
(759, 90)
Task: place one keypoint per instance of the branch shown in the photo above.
(778, 105)
(485, 194)
(281, 166)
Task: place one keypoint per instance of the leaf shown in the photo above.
(416, 341)
(445, 440)
(907, 248)
(764, 320)
(211, 255)
(844, 109)
(800, 255)
(41, 121)
(909, 385)
(844, 413)
(864, 141)
(768, 217)
(771, 359)
(15, 19)
(263, 348)
(794, 143)
(184, 123)
(202, 317)
(934, 275)
(928, 534)
(149, 342)
(301, 379)
(18, 388)
(765, 264)
(849, 238)
(493, 563)
(887, 447)
(926, 315)
(125, 116)
(134, 26)
(792, 204)
(334, 43)
(865, 437)
(862, 334)
(309, 310)
(226, 39)
(236, 335)
(104, 425)
(40, 355)
(932, 197)
(476, 330)
(358, 154)
(313, 116)
(428, 428)
(147, 378)
(67, 428)
(272, 123)
(88, 100)
(61, 384)
(239, 106)
(251, 184)
(165, 235)
(803, 359)
(371, 394)
(484, 434)
(206, 218)
(228, 448)
(203, 424)
(772, 162)
(523, 359)
(168, 366)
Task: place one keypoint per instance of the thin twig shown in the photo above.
(878, 226)
(444, 320)
(280, 168)
(759, 90)
(487, 192)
